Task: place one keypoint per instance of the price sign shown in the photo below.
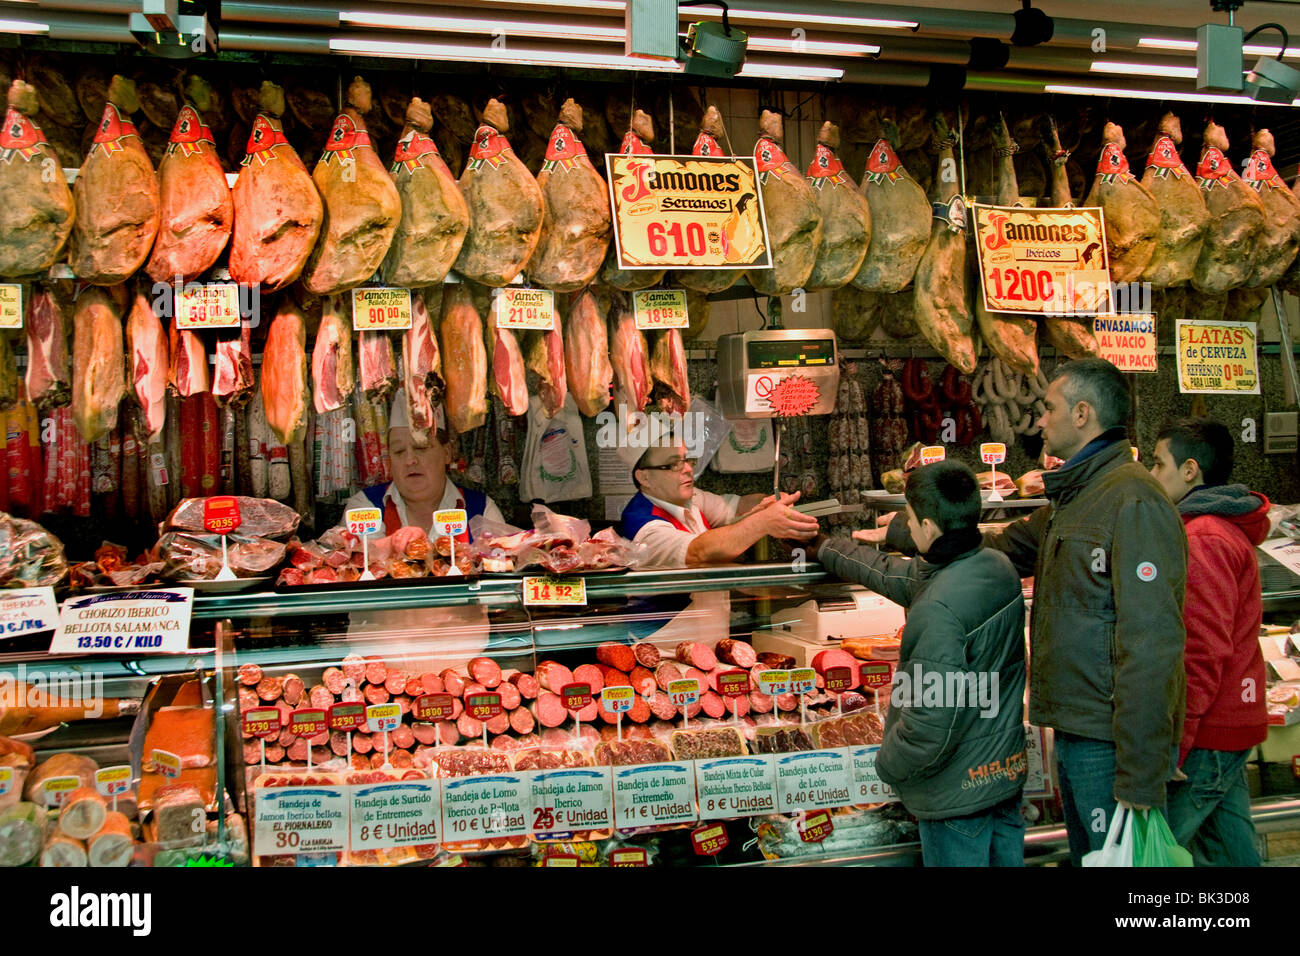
(1218, 358)
(736, 786)
(560, 859)
(803, 680)
(772, 683)
(516, 308)
(155, 621)
(168, 763)
(297, 820)
(433, 707)
(377, 308)
(347, 717)
(261, 722)
(867, 785)
(839, 679)
(383, 717)
(220, 515)
(931, 454)
(815, 827)
(212, 306)
(363, 521)
(6, 780)
(554, 592)
(57, 789)
(660, 309)
(566, 801)
(11, 306)
(575, 696)
(684, 692)
(629, 856)
(709, 840)
(993, 452)
(813, 780)
(450, 523)
(113, 781)
(483, 706)
(875, 674)
(308, 722)
(692, 212)
(486, 807)
(654, 793)
(396, 813)
(733, 683)
(617, 700)
(27, 610)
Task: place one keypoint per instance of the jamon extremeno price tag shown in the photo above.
(308, 722)
(733, 683)
(654, 793)
(709, 840)
(684, 692)
(867, 785)
(575, 696)
(11, 306)
(395, 813)
(532, 309)
(841, 678)
(815, 827)
(212, 306)
(433, 707)
(660, 309)
(572, 799)
(736, 786)
(812, 780)
(483, 706)
(773, 682)
(262, 721)
(381, 308)
(493, 806)
(293, 820)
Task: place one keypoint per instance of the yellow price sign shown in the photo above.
(452, 522)
(56, 789)
(383, 717)
(113, 781)
(11, 306)
(168, 764)
(555, 592)
(363, 521)
(932, 454)
(660, 309)
(381, 308)
(524, 309)
(6, 780)
(618, 699)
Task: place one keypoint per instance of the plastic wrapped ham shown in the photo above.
(30, 556)
(197, 557)
(258, 517)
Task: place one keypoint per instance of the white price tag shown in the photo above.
(293, 820)
(654, 793)
(11, 306)
(381, 308)
(572, 799)
(813, 780)
(450, 523)
(867, 786)
(27, 611)
(773, 683)
(478, 808)
(113, 781)
(363, 521)
(736, 786)
(993, 452)
(127, 622)
(395, 813)
(518, 308)
(383, 717)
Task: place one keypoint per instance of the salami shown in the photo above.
(270, 688)
(376, 694)
(662, 706)
(553, 676)
(376, 671)
(666, 673)
(486, 671)
(697, 655)
(430, 684)
(522, 721)
(591, 675)
(712, 704)
(334, 679)
(403, 737)
(363, 743)
(736, 652)
(640, 712)
(643, 680)
(354, 668)
(320, 697)
(498, 724)
(549, 709)
(647, 655)
(832, 657)
(510, 696)
(615, 678)
(527, 685)
(250, 675)
(760, 703)
(453, 683)
(294, 689)
(395, 682)
(615, 655)
(469, 726)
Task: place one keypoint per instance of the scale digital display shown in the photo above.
(792, 353)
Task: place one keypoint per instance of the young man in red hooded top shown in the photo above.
(1209, 811)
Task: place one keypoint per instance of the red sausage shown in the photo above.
(448, 732)
(472, 688)
(712, 704)
(640, 711)
(270, 688)
(339, 743)
(320, 697)
(248, 699)
(293, 690)
(414, 687)
(334, 679)
(498, 724)
(527, 685)
(298, 750)
(402, 736)
(430, 684)
(510, 698)
(403, 703)
(250, 674)
(696, 655)
(549, 710)
(453, 683)
(590, 674)
(700, 676)
(614, 678)
(787, 702)
(553, 676)
(556, 739)
(760, 703)
(252, 752)
(469, 726)
(354, 666)
(662, 705)
(521, 720)
(647, 655)
(274, 753)
(737, 652)
(401, 759)
(615, 655)
(643, 680)
(395, 682)
(486, 671)
(666, 673)
(425, 733)
(376, 694)
(590, 713)
(376, 670)
(833, 657)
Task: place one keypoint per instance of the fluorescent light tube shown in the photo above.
(781, 72)
(799, 18)
(1250, 49)
(1143, 69)
(824, 47)
(449, 51)
(23, 26)
(1071, 90)
(520, 28)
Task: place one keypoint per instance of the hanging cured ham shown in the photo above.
(196, 212)
(507, 364)
(900, 216)
(36, 209)
(116, 194)
(668, 369)
(846, 216)
(794, 222)
(1236, 219)
(636, 142)
(98, 371)
(586, 356)
(188, 373)
(942, 312)
(630, 358)
(505, 205)
(332, 374)
(434, 216)
(284, 375)
(278, 211)
(1276, 247)
(576, 216)
(422, 368)
(49, 380)
(147, 354)
(362, 207)
(707, 144)
(232, 377)
(544, 357)
(378, 366)
(1070, 335)
(1183, 216)
(465, 361)
(1132, 215)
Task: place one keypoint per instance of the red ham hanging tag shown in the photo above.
(1260, 172)
(20, 135)
(883, 163)
(633, 145)
(489, 147)
(262, 141)
(1212, 168)
(826, 167)
(564, 150)
(706, 145)
(113, 128)
(188, 132)
(1112, 166)
(1164, 157)
(410, 148)
(343, 139)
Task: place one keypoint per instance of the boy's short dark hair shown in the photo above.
(947, 492)
(1205, 441)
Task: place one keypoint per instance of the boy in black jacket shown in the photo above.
(954, 745)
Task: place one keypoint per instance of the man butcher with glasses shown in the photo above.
(685, 527)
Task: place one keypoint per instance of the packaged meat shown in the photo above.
(622, 753)
(59, 765)
(708, 742)
(29, 555)
(202, 780)
(258, 517)
(186, 732)
(861, 728)
(22, 832)
(189, 557)
(781, 739)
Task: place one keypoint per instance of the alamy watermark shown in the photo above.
(919, 687)
(22, 688)
(635, 429)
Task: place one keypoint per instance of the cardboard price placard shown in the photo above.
(1127, 341)
(433, 707)
(709, 840)
(874, 674)
(532, 309)
(383, 717)
(617, 700)
(660, 309)
(347, 717)
(56, 790)
(683, 692)
(815, 827)
(840, 679)
(993, 452)
(308, 722)
(363, 521)
(1042, 261)
(11, 306)
(153, 621)
(1218, 358)
(27, 611)
(221, 515)
(575, 696)
(554, 592)
(213, 306)
(381, 308)
(483, 706)
(687, 212)
(261, 722)
(733, 683)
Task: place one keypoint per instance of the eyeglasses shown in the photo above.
(677, 464)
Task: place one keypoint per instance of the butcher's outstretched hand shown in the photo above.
(779, 520)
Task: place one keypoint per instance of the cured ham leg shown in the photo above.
(507, 362)
(630, 359)
(233, 381)
(586, 356)
(331, 360)
(189, 363)
(460, 334)
(148, 356)
(421, 371)
(49, 381)
(284, 375)
(99, 372)
(378, 367)
(668, 366)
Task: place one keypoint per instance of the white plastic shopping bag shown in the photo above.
(1118, 848)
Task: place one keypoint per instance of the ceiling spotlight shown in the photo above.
(988, 54)
(1032, 26)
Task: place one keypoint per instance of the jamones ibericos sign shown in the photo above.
(687, 212)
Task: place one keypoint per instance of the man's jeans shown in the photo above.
(1209, 812)
(1085, 769)
(992, 837)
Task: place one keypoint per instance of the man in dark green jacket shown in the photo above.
(954, 744)
(1109, 560)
